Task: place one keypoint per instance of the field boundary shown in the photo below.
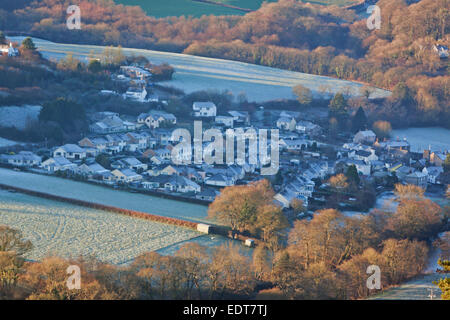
(98, 206)
(223, 5)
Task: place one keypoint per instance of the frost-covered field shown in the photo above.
(422, 138)
(194, 73)
(5, 142)
(17, 116)
(103, 195)
(70, 231)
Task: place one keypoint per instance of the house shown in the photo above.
(286, 197)
(136, 141)
(204, 109)
(181, 184)
(362, 167)
(101, 115)
(126, 175)
(301, 186)
(156, 160)
(163, 136)
(110, 125)
(366, 136)
(98, 143)
(433, 174)
(22, 159)
(107, 177)
(307, 127)
(226, 121)
(150, 185)
(417, 178)
(172, 183)
(171, 170)
(70, 151)
(286, 123)
(241, 117)
(293, 145)
(133, 163)
(400, 146)
(290, 114)
(208, 194)
(135, 72)
(403, 171)
(438, 158)
(9, 50)
(116, 143)
(58, 163)
(154, 119)
(162, 153)
(91, 169)
(441, 50)
(220, 180)
(317, 170)
(136, 94)
(366, 156)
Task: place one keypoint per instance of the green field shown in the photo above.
(165, 8)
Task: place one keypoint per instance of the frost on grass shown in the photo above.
(18, 116)
(259, 83)
(70, 231)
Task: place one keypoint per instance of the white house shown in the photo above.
(307, 127)
(207, 194)
(433, 173)
(137, 141)
(181, 184)
(285, 198)
(293, 145)
(58, 164)
(220, 180)
(154, 118)
(133, 163)
(417, 178)
(22, 159)
(91, 169)
(362, 167)
(286, 123)
(9, 50)
(441, 50)
(366, 136)
(363, 155)
(111, 124)
(241, 117)
(225, 121)
(136, 94)
(70, 151)
(204, 109)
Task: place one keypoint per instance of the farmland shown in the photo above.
(193, 73)
(165, 8)
(18, 116)
(93, 193)
(70, 231)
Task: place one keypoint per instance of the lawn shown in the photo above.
(164, 8)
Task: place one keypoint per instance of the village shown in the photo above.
(136, 154)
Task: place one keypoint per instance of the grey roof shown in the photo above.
(72, 148)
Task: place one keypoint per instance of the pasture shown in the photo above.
(166, 8)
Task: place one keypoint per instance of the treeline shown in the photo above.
(325, 258)
(287, 34)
